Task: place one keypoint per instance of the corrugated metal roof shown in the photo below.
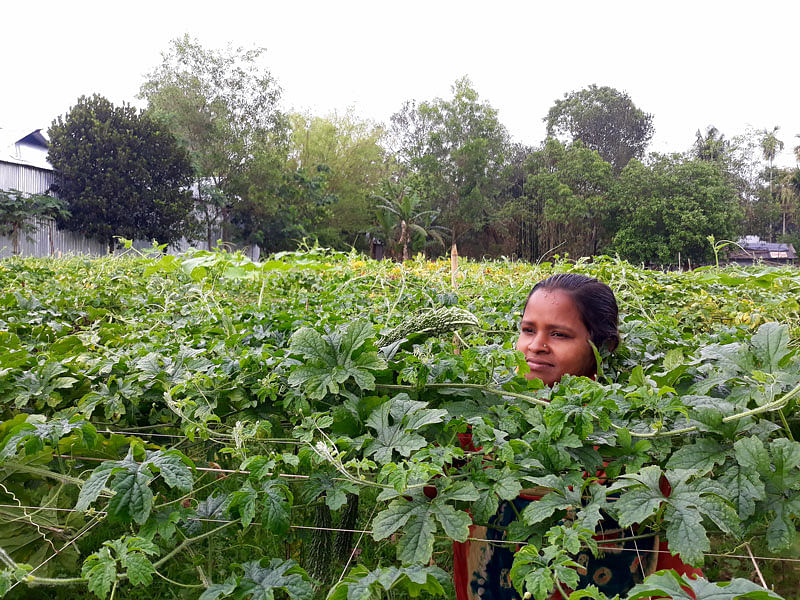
(766, 246)
(753, 248)
(26, 147)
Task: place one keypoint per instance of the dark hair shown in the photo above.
(595, 302)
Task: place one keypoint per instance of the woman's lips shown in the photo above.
(538, 364)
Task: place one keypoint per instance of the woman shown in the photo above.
(562, 315)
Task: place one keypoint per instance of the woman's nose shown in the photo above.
(538, 342)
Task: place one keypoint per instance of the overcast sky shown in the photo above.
(732, 64)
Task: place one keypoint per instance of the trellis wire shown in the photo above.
(186, 437)
(471, 539)
(57, 552)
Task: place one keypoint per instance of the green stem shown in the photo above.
(785, 425)
(187, 542)
(17, 466)
(178, 583)
(774, 405)
(34, 580)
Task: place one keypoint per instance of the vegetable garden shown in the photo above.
(207, 427)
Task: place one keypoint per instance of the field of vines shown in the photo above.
(207, 427)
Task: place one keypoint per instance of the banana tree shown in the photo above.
(403, 207)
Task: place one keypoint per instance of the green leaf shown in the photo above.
(507, 486)
(637, 504)
(771, 345)
(317, 380)
(139, 569)
(686, 533)
(35, 435)
(485, 506)
(416, 543)
(172, 468)
(310, 344)
(275, 512)
(454, 522)
(398, 433)
(362, 584)
(93, 486)
(536, 512)
(355, 334)
(100, 571)
(260, 582)
(393, 518)
(669, 584)
(782, 478)
(243, 501)
(132, 498)
(744, 488)
(219, 590)
(751, 454)
(460, 490)
(701, 456)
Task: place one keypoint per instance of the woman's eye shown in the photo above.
(558, 334)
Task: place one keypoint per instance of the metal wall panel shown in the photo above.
(49, 240)
(25, 179)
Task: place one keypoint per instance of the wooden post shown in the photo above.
(453, 266)
(454, 285)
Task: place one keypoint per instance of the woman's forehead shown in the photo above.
(552, 306)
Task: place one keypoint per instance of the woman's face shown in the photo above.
(554, 339)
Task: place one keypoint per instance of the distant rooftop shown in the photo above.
(24, 147)
(752, 247)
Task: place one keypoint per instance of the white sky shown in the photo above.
(691, 64)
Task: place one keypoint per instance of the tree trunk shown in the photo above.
(404, 239)
(15, 238)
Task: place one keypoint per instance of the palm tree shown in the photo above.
(712, 146)
(770, 146)
(788, 192)
(403, 207)
(797, 149)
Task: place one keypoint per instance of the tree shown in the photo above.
(222, 105)
(120, 173)
(788, 196)
(278, 207)
(573, 183)
(712, 146)
(453, 152)
(350, 150)
(770, 146)
(564, 202)
(404, 206)
(671, 207)
(797, 149)
(605, 120)
(19, 210)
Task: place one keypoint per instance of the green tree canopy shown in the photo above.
(570, 183)
(350, 150)
(279, 206)
(223, 107)
(604, 119)
(120, 172)
(672, 206)
(453, 151)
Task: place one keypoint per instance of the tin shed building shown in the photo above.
(754, 250)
